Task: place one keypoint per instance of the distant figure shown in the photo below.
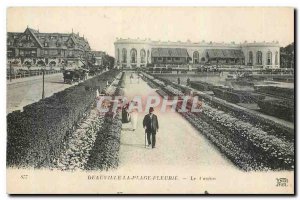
(188, 81)
(131, 78)
(178, 81)
(150, 124)
(133, 116)
(125, 114)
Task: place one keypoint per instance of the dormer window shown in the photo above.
(46, 44)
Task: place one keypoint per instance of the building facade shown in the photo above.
(34, 49)
(141, 53)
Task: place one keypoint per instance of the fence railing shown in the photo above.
(30, 74)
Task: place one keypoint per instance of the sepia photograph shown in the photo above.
(150, 100)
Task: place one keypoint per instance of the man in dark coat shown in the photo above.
(150, 123)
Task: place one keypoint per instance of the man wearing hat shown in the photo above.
(150, 123)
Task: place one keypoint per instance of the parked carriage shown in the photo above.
(75, 75)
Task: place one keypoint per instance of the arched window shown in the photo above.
(269, 58)
(118, 55)
(143, 56)
(195, 57)
(276, 58)
(133, 54)
(250, 58)
(124, 55)
(259, 58)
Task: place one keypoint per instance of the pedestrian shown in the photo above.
(150, 124)
(133, 115)
(178, 81)
(131, 78)
(188, 82)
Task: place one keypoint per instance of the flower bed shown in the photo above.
(274, 152)
(233, 152)
(105, 152)
(35, 136)
(79, 144)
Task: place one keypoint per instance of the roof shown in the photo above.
(54, 40)
(169, 52)
(225, 53)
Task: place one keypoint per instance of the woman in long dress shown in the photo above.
(134, 117)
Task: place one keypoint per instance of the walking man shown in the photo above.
(150, 123)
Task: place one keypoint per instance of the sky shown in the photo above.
(102, 25)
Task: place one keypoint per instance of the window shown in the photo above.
(124, 55)
(169, 58)
(160, 59)
(133, 55)
(276, 58)
(269, 58)
(196, 57)
(259, 58)
(46, 44)
(46, 52)
(250, 61)
(143, 56)
(118, 55)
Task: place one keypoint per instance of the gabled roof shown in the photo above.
(54, 40)
(169, 52)
(33, 33)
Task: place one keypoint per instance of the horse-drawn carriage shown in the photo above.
(74, 75)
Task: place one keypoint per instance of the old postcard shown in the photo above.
(150, 100)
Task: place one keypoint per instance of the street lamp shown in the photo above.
(10, 68)
(43, 91)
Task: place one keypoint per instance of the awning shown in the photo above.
(225, 53)
(169, 52)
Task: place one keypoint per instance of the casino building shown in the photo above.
(131, 53)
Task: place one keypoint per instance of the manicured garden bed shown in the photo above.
(35, 137)
(250, 141)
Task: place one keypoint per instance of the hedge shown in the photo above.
(283, 109)
(35, 136)
(276, 91)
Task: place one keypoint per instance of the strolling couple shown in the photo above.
(150, 124)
